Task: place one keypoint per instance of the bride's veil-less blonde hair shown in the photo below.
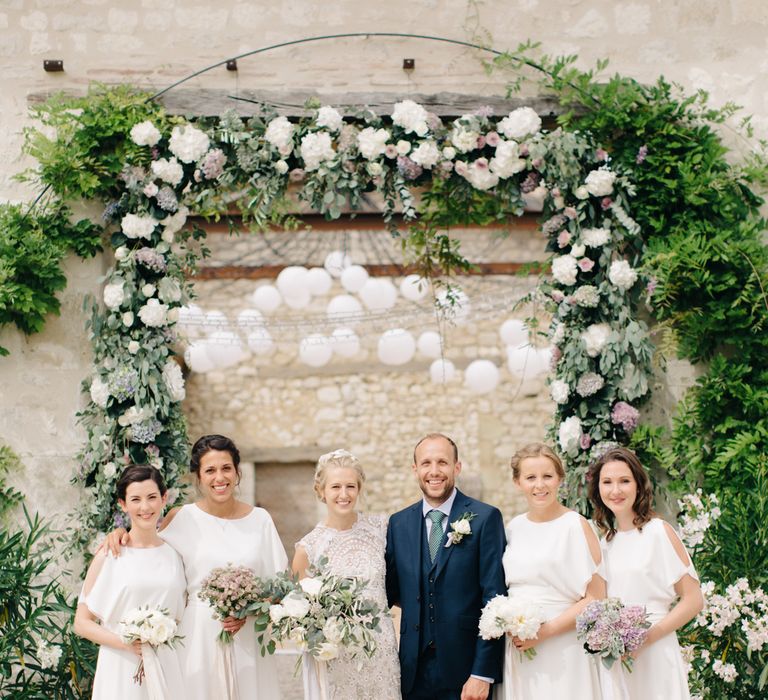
(331, 460)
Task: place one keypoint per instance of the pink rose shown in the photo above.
(563, 239)
(492, 139)
(585, 264)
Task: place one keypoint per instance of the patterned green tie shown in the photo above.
(436, 533)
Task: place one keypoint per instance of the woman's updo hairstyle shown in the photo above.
(135, 473)
(331, 460)
(209, 443)
(536, 449)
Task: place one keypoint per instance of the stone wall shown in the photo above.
(718, 46)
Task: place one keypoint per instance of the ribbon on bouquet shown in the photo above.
(315, 677)
(224, 672)
(154, 677)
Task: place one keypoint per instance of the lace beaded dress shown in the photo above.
(359, 552)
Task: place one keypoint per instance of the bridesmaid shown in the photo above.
(354, 545)
(646, 564)
(148, 573)
(552, 559)
(219, 530)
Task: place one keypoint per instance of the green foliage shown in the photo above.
(32, 248)
(9, 496)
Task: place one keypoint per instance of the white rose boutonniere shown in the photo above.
(460, 528)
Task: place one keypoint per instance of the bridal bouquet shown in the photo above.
(230, 591)
(514, 616)
(323, 615)
(613, 630)
(148, 625)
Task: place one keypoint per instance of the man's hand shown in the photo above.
(475, 689)
(232, 624)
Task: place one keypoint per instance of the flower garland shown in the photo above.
(602, 353)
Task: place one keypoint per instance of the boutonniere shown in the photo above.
(460, 529)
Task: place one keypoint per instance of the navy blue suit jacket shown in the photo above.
(467, 575)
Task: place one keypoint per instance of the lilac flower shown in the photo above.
(612, 630)
(589, 383)
(530, 183)
(625, 415)
(111, 212)
(146, 431)
(123, 383)
(642, 154)
(650, 288)
(484, 111)
(121, 521)
(407, 168)
(554, 224)
(151, 259)
(213, 163)
(166, 199)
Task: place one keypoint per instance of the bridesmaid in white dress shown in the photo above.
(149, 573)
(646, 564)
(219, 530)
(552, 559)
(354, 545)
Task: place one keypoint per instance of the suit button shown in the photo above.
(431, 580)
(431, 607)
(431, 619)
(418, 598)
(431, 593)
(416, 627)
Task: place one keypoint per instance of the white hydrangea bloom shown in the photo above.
(134, 415)
(595, 338)
(114, 295)
(507, 161)
(564, 269)
(135, 226)
(329, 118)
(569, 433)
(599, 183)
(154, 314)
(560, 391)
(188, 143)
(426, 154)
(99, 392)
(479, 175)
(595, 237)
(622, 275)
(463, 139)
(520, 123)
(145, 134)
(411, 117)
(372, 142)
(168, 170)
(280, 133)
(174, 223)
(316, 149)
(174, 381)
(169, 290)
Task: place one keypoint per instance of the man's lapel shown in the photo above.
(414, 535)
(460, 505)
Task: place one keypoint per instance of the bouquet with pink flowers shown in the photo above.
(613, 630)
(230, 590)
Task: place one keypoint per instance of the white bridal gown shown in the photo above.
(359, 552)
(550, 565)
(206, 542)
(642, 568)
(151, 576)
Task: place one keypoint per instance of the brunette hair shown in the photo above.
(337, 458)
(206, 444)
(643, 505)
(135, 473)
(536, 449)
(432, 436)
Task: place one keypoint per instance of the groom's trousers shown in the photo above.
(427, 685)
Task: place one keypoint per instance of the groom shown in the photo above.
(443, 564)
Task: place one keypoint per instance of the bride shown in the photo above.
(354, 545)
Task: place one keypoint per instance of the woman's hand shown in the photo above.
(232, 624)
(114, 540)
(526, 644)
(135, 647)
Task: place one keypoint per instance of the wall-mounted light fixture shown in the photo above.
(232, 64)
(409, 63)
(53, 66)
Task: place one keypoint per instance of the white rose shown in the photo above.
(174, 380)
(168, 236)
(109, 470)
(296, 606)
(581, 192)
(128, 319)
(311, 586)
(595, 338)
(188, 143)
(145, 134)
(520, 123)
(134, 415)
(99, 392)
(411, 117)
(298, 635)
(327, 651)
(372, 142)
(114, 295)
(426, 154)
(375, 169)
(595, 237)
(169, 290)
(121, 253)
(168, 170)
(148, 290)
(162, 248)
(135, 226)
(462, 527)
(599, 183)
(279, 132)
(174, 223)
(281, 166)
(569, 433)
(449, 153)
(329, 118)
(480, 176)
(564, 269)
(332, 630)
(153, 313)
(560, 391)
(507, 161)
(464, 140)
(622, 275)
(162, 631)
(276, 613)
(403, 147)
(316, 149)
(134, 347)
(173, 314)
(577, 250)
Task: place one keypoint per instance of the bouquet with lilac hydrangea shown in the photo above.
(612, 630)
(516, 617)
(230, 590)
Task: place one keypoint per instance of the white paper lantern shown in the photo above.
(299, 298)
(414, 287)
(319, 281)
(192, 318)
(528, 362)
(455, 307)
(353, 278)
(481, 376)
(514, 333)
(292, 280)
(442, 371)
(226, 349)
(197, 358)
(344, 307)
(250, 318)
(315, 350)
(266, 298)
(215, 321)
(430, 344)
(378, 294)
(396, 347)
(260, 341)
(345, 342)
(335, 263)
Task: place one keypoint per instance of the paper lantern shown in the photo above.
(315, 350)
(250, 318)
(481, 376)
(260, 341)
(528, 362)
(414, 287)
(344, 307)
(378, 294)
(192, 318)
(442, 371)
(214, 321)
(299, 298)
(335, 263)
(454, 307)
(345, 342)
(266, 298)
(353, 278)
(319, 281)
(396, 347)
(292, 280)
(430, 344)
(226, 349)
(514, 333)
(196, 357)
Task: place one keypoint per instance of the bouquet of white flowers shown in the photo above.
(513, 616)
(148, 625)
